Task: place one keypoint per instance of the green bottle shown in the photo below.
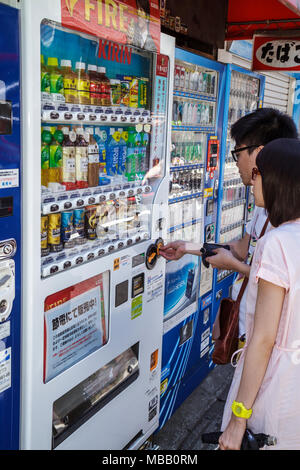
(45, 155)
(130, 170)
(45, 81)
(56, 152)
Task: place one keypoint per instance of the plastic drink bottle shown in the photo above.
(93, 159)
(68, 177)
(45, 155)
(55, 162)
(122, 151)
(70, 81)
(143, 155)
(101, 139)
(56, 81)
(130, 171)
(112, 154)
(81, 158)
(45, 81)
(83, 84)
(104, 87)
(95, 85)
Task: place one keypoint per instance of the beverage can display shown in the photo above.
(78, 222)
(115, 89)
(66, 225)
(134, 92)
(143, 93)
(54, 236)
(125, 92)
(91, 222)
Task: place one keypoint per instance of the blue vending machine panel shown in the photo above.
(244, 93)
(10, 228)
(194, 182)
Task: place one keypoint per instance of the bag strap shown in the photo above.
(245, 281)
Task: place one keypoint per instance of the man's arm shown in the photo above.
(239, 248)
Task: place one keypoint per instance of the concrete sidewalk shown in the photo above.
(201, 412)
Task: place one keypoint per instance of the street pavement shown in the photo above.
(201, 412)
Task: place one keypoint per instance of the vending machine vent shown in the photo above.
(79, 404)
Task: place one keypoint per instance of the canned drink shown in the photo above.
(66, 225)
(44, 236)
(44, 232)
(54, 235)
(78, 222)
(125, 92)
(91, 222)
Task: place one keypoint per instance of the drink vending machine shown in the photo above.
(199, 85)
(244, 93)
(10, 233)
(94, 159)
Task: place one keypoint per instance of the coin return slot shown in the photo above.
(78, 405)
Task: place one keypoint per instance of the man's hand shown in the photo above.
(174, 250)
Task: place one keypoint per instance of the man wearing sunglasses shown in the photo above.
(250, 133)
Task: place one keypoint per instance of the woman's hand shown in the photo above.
(223, 259)
(232, 437)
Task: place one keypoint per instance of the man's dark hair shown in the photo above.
(263, 126)
(279, 165)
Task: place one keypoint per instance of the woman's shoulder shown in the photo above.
(282, 234)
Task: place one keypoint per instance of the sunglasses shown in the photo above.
(255, 172)
(235, 152)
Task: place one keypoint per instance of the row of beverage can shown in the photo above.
(192, 112)
(108, 221)
(191, 78)
(233, 190)
(230, 235)
(185, 182)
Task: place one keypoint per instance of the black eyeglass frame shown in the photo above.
(233, 152)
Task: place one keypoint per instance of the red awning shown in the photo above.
(248, 17)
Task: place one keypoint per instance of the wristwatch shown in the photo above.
(239, 410)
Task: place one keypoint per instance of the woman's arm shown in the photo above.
(268, 309)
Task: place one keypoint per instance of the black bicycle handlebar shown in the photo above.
(250, 441)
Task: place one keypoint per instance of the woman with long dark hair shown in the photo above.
(264, 395)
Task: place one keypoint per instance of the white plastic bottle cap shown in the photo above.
(92, 67)
(101, 69)
(65, 63)
(80, 65)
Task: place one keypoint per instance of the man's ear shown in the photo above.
(256, 152)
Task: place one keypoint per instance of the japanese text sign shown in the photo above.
(276, 53)
(75, 324)
(131, 22)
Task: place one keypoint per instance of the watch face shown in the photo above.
(238, 409)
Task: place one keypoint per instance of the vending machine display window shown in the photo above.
(103, 122)
(76, 324)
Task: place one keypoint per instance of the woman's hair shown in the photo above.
(279, 165)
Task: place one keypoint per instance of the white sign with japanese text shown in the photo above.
(74, 327)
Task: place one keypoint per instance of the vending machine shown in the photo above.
(199, 86)
(10, 233)
(244, 93)
(96, 80)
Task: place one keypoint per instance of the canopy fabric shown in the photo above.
(248, 17)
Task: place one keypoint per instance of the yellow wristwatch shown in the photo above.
(240, 410)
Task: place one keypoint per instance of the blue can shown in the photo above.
(78, 221)
(66, 225)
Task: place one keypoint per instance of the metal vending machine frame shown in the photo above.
(186, 340)
(10, 232)
(108, 398)
(224, 280)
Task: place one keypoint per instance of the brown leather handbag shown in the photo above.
(225, 331)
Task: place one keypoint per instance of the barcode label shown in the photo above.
(5, 370)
